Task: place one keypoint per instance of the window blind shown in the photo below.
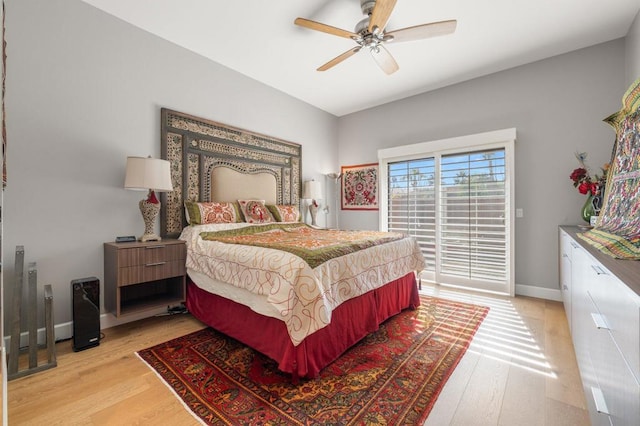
(412, 205)
(472, 216)
(455, 206)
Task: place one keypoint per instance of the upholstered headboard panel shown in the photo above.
(211, 161)
(231, 185)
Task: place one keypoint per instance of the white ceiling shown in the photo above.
(258, 38)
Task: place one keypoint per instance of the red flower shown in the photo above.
(584, 187)
(578, 174)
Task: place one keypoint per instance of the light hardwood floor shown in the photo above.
(519, 370)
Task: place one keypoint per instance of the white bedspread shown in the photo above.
(301, 296)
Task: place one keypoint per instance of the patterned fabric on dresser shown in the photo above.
(617, 232)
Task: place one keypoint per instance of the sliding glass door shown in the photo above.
(457, 204)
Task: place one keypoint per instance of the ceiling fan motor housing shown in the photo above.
(362, 26)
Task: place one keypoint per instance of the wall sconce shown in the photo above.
(336, 180)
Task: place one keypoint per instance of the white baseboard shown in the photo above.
(64, 331)
(539, 292)
(520, 290)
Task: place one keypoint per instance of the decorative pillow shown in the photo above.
(211, 212)
(255, 211)
(288, 213)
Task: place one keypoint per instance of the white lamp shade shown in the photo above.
(312, 190)
(148, 173)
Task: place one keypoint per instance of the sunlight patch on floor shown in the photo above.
(504, 334)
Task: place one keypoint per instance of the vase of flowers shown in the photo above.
(592, 186)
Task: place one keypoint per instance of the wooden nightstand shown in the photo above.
(140, 276)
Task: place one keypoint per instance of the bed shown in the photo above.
(302, 305)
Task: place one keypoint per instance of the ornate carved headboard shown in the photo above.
(195, 147)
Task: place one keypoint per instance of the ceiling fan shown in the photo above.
(370, 33)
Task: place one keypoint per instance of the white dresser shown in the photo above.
(602, 302)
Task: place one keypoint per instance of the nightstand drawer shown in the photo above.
(144, 276)
(151, 254)
(151, 271)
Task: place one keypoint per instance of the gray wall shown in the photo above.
(556, 105)
(84, 91)
(633, 51)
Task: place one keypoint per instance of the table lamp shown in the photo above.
(312, 190)
(153, 175)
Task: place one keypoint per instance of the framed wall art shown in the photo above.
(359, 187)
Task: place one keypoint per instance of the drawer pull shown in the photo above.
(599, 321)
(598, 399)
(598, 270)
(574, 245)
(565, 287)
(565, 255)
(155, 247)
(155, 264)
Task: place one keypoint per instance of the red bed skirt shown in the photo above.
(350, 322)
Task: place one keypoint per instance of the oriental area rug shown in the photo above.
(392, 376)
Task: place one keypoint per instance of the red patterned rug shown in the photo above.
(393, 376)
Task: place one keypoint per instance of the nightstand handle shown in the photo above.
(155, 264)
(155, 247)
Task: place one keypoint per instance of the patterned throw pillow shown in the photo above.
(288, 213)
(212, 212)
(255, 211)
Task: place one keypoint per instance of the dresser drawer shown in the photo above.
(620, 391)
(151, 254)
(620, 311)
(151, 271)
(566, 245)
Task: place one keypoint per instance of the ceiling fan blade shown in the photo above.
(313, 25)
(423, 31)
(380, 14)
(384, 59)
(335, 61)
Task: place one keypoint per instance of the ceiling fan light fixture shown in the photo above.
(370, 42)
